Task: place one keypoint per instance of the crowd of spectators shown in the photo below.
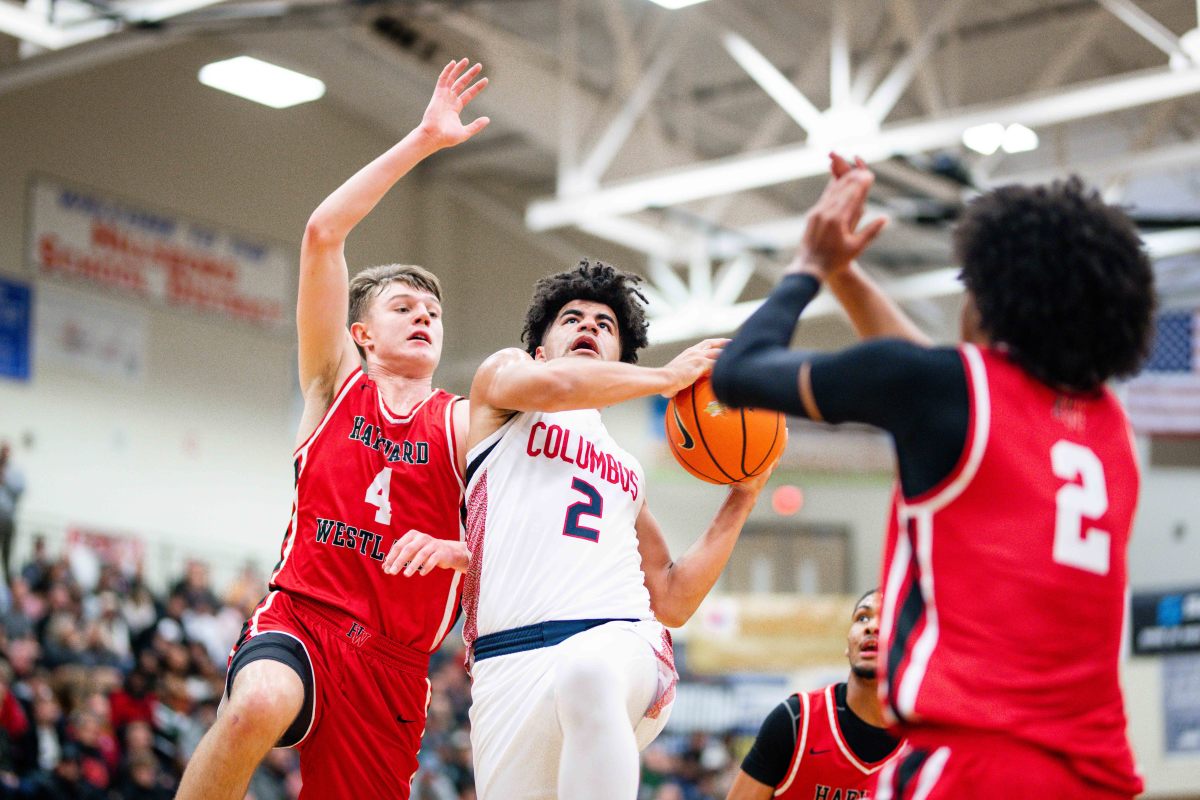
(106, 688)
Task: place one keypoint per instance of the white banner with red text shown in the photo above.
(83, 235)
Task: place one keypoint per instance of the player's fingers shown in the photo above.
(838, 166)
(418, 562)
(867, 235)
(463, 81)
(392, 562)
(476, 126)
(444, 78)
(851, 195)
(473, 91)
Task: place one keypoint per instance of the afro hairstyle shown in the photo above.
(600, 283)
(1061, 279)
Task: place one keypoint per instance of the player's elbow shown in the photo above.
(671, 611)
(319, 233)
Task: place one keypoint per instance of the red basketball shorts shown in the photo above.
(941, 765)
(365, 697)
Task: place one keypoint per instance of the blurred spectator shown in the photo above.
(12, 486)
(63, 782)
(105, 693)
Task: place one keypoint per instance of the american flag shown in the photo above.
(1165, 397)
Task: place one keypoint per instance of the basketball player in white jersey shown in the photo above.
(570, 579)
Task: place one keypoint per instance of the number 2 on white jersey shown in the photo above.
(1073, 546)
(377, 495)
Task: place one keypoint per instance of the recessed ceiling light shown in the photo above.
(984, 139)
(1019, 139)
(261, 82)
(673, 4)
(987, 139)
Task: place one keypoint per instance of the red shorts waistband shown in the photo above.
(365, 638)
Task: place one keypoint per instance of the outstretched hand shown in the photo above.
(693, 363)
(442, 122)
(832, 238)
(417, 553)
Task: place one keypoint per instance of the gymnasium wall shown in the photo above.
(197, 454)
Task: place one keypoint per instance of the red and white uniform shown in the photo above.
(823, 765)
(1004, 588)
(364, 478)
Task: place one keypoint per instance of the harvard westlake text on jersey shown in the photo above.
(823, 792)
(406, 451)
(338, 534)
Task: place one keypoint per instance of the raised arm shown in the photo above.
(677, 587)
(326, 352)
(873, 314)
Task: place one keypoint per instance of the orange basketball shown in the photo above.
(720, 444)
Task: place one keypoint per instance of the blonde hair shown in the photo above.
(368, 284)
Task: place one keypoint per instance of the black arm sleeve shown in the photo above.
(769, 758)
(757, 368)
(917, 394)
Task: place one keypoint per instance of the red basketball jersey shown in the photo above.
(823, 765)
(364, 478)
(1005, 586)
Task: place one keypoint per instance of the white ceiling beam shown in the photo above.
(664, 278)
(772, 81)
(1168, 244)
(892, 88)
(618, 131)
(1145, 26)
(910, 27)
(29, 26)
(1160, 159)
(688, 324)
(839, 55)
(732, 278)
(740, 173)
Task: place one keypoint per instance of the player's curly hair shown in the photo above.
(600, 283)
(1061, 279)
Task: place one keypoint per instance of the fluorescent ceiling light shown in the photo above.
(673, 4)
(984, 139)
(1019, 139)
(992, 136)
(261, 82)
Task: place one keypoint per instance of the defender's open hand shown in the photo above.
(442, 122)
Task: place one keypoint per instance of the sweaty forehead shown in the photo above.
(586, 307)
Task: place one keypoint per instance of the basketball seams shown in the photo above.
(704, 441)
(779, 422)
(745, 472)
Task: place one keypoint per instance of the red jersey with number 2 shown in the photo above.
(1005, 586)
(823, 765)
(364, 478)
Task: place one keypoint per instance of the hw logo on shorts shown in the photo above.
(358, 634)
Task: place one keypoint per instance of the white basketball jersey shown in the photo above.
(551, 506)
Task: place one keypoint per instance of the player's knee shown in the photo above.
(259, 709)
(585, 688)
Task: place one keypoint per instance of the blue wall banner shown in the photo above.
(15, 304)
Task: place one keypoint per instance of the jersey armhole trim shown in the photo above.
(978, 432)
(337, 401)
(452, 442)
(801, 743)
